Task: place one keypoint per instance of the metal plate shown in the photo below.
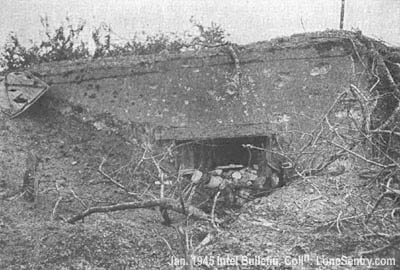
(18, 91)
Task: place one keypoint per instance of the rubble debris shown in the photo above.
(215, 181)
(239, 184)
(217, 171)
(236, 176)
(196, 176)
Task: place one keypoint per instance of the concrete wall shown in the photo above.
(274, 85)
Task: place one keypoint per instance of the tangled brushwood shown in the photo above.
(361, 125)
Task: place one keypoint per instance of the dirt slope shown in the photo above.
(315, 217)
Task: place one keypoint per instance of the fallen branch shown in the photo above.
(391, 193)
(59, 199)
(314, 139)
(53, 213)
(169, 204)
(361, 157)
(390, 132)
(377, 250)
(100, 170)
(213, 209)
(77, 197)
(338, 222)
(207, 240)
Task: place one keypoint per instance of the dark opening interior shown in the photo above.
(208, 154)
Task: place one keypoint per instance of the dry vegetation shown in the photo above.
(97, 204)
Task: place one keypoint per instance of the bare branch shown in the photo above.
(377, 250)
(100, 170)
(169, 204)
(361, 157)
(213, 209)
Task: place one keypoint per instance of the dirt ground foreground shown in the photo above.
(312, 223)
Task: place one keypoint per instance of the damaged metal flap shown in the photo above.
(18, 91)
